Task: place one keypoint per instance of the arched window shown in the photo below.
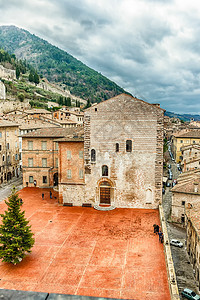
(93, 155)
(104, 170)
(117, 147)
(128, 146)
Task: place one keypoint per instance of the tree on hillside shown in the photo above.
(60, 100)
(31, 77)
(17, 72)
(16, 238)
(88, 104)
(36, 78)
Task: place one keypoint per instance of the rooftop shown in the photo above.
(187, 187)
(55, 132)
(6, 123)
(188, 134)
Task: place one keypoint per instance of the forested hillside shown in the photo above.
(57, 65)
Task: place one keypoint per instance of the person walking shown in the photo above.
(160, 236)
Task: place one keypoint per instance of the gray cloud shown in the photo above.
(149, 47)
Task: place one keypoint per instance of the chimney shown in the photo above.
(195, 187)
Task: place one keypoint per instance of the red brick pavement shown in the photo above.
(83, 251)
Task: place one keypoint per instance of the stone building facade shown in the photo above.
(7, 73)
(9, 150)
(40, 156)
(123, 155)
(2, 91)
(185, 193)
(191, 157)
(193, 239)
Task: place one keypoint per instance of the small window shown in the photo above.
(0, 134)
(128, 146)
(93, 155)
(30, 162)
(181, 141)
(44, 145)
(104, 170)
(30, 179)
(16, 156)
(7, 133)
(56, 162)
(95, 109)
(68, 154)
(183, 202)
(44, 179)
(117, 147)
(80, 154)
(44, 162)
(8, 158)
(8, 146)
(81, 174)
(69, 174)
(30, 145)
(194, 142)
(3, 158)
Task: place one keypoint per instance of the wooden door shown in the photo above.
(105, 195)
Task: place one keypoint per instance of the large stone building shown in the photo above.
(190, 157)
(9, 150)
(123, 154)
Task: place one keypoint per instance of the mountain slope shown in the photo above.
(57, 65)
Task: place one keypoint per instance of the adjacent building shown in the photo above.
(190, 157)
(40, 156)
(9, 150)
(184, 138)
(186, 192)
(193, 238)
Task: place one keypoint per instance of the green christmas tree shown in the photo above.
(16, 237)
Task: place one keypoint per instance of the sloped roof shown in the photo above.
(54, 132)
(6, 123)
(188, 134)
(122, 96)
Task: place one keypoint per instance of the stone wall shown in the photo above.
(179, 202)
(2, 91)
(136, 176)
(7, 73)
(6, 106)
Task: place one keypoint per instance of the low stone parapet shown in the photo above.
(168, 259)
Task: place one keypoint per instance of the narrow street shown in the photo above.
(183, 268)
(5, 189)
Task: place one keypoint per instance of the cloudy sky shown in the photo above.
(151, 48)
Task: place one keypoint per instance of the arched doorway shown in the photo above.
(105, 192)
(55, 179)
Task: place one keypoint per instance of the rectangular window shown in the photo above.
(15, 144)
(44, 145)
(56, 146)
(30, 145)
(20, 156)
(56, 162)
(30, 162)
(68, 154)
(7, 133)
(44, 179)
(8, 146)
(81, 174)
(30, 179)
(0, 134)
(44, 162)
(80, 154)
(181, 141)
(69, 174)
(16, 156)
(20, 145)
(183, 202)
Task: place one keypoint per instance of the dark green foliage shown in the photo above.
(68, 101)
(16, 238)
(31, 76)
(88, 104)
(36, 78)
(21, 97)
(78, 103)
(57, 65)
(17, 72)
(60, 100)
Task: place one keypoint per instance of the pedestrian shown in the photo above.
(157, 229)
(160, 235)
(50, 195)
(42, 196)
(154, 228)
(34, 183)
